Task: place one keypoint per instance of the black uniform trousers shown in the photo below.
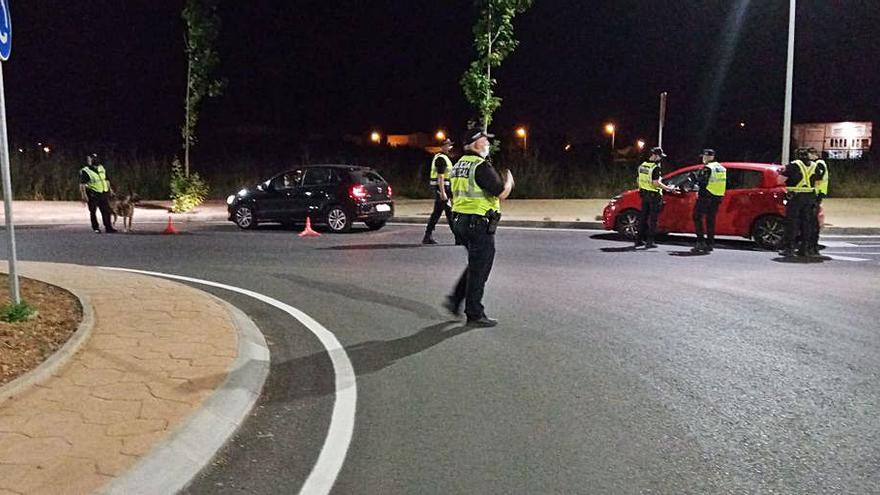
(440, 207)
(99, 201)
(799, 220)
(473, 232)
(706, 210)
(652, 202)
(814, 241)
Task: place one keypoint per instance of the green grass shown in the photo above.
(14, 313)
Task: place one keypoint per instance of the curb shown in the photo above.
(551, 224)
(545, 224)
(59, 358)
(176, 461)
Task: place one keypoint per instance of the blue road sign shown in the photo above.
(5, 30)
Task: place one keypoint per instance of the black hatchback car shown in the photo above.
(332, 195)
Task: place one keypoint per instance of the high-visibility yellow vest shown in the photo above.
(646, 171)
(97, 179)
(439, 156)
(717, 179)
(822, 186)
(467, 196)
(806, 183)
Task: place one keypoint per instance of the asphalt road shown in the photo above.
(613, 370)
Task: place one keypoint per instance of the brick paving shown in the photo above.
(157, 351)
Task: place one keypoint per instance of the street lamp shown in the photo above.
(524, 134)
(641, 144)
(610, 129)
(441, 136)
(375, 137)
(789, 83)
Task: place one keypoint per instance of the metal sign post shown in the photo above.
(662, 118)
(5, 51)
(789, 83)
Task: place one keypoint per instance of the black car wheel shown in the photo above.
(768, 232)
(244, 217)
(375, 224)
(627, 224)
(337, 219)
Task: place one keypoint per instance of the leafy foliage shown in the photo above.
(13, 313)
(202, 30)
(187, 192)
(494, 41)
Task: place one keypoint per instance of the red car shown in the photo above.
(754, 206)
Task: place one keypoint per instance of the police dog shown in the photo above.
(123, 206)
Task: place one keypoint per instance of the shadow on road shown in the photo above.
(369, 247)
(618, 249)
(688, 254)
(801, 260)
(311, 376)
(679, 240)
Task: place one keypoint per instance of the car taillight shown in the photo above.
(358, 192)
(390, 191)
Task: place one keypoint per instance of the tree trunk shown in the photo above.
(488, 73)
(186, 125)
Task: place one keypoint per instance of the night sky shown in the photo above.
(112, 71)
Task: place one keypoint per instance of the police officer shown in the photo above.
(822, 175)
(95, 190)
(651, 190)
(712, 183)
(441, 165)
(799, 180)
(477, 191)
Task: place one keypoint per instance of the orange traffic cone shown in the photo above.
(308, 232)
(169, 229)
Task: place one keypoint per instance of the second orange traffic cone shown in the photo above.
(308, 232)
(169, 229)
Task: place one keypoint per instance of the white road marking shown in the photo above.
(335, 449)
(837, 244)
(844, 258)
(854, 252)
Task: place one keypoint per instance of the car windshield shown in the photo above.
(677, 179)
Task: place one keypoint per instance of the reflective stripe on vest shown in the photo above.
(806, 183)
(822, 185)
(446, 159)
(467, 196)
(717, 180)
(646, 171)
(97, 179)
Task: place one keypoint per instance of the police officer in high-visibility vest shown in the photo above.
(651, 190)
(95, 190)
(799, 179)
(477, 191)
(441, 165)
(822, 175)
(712, 183)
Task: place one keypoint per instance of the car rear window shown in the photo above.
(369, 178)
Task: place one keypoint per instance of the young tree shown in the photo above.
(494, 41)
(202, 30)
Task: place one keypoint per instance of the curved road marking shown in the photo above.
(332, 457)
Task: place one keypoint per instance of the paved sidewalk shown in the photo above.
(840, 213)
(157, 351)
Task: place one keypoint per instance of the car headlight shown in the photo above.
(243, 193)
(230, 199)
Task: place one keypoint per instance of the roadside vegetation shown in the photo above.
(540, 176)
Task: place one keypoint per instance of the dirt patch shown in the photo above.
(25, 345)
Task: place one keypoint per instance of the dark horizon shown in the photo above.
(305, 68)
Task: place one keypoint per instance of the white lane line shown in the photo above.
(326, 469)
(844, 258)
(854, 252)
(506, 227)
(850, 236)
(837, 244)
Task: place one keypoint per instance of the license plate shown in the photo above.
(383, 208)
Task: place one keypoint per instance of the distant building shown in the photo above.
(839, 140)
(415, 140)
